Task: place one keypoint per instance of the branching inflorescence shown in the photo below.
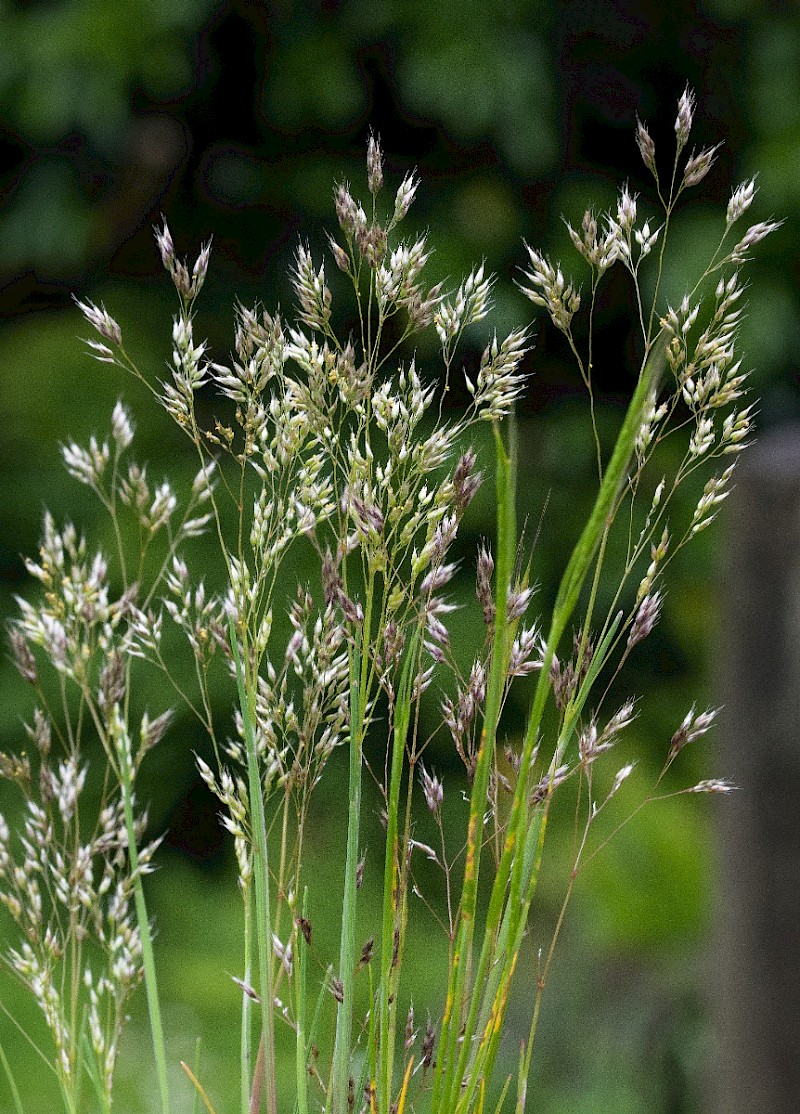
(338, 443)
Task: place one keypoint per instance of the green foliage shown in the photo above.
(72, 65)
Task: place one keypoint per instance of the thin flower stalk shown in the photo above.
(446, 1083)
(148, 958)
(340, 1074)
(393, 895)
(262, 887)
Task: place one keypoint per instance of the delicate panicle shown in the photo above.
(621, 776)
(550, 782)
(549, 289)
(121, 427)
(372, 242)
(189, 372)
(693, 726)
(699, 165)
(517, 602)
(188, 285)
(754, 235)
(646, 238)
(87, 465)
(716, 489)
(65, 881)
(200, 269)
(432, 790)
(527, 652)
(396, 280)
(622, 233)
(484, 585)
(374, 165)
(647, 148)
(352, 217)
(499, 382)
(466, 481)
(339, 254)
(645, 619)
(713, 785)
(599, 250)
(101, 352)
(405, 196)
(684, 118)
(166, 247)
(311, 291)
(22, 655)
(626, 210)
(740, 202)
(471, 303)
(101, 320)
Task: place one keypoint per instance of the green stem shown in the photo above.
(446, 1086)
(246, 1054)
(347, 950)
(260, 870)
(578, 569)
(510, 882)
(496, 970)
(391, 879)
(148, 962)
(300, 1045)
(11, 1082)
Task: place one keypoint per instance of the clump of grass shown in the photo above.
(332, 443)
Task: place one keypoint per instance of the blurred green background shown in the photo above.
(236, 119)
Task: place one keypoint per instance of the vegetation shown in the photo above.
(332, 442)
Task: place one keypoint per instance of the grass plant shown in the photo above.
(339, 443)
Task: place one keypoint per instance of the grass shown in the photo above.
(342, 450)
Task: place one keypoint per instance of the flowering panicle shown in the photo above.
(188, 284)
(312, 293)
(102, 321)
(260, 350)
(65, 881)
(404, 198)
(599, 250)
(190, 372)
(499, 382)
(470, 303)
(433, 791)
(462, 716)
(693, 726)
(685, 117)
(754, 235)
(647, 149)
(645, 618)
(232, 794)
(740, 202)
(698, 166)
(548, 288)
(527, 652)
(76, 615)
(332, 455)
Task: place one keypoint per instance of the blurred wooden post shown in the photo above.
(756, 973)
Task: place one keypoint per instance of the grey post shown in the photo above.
(756, 973)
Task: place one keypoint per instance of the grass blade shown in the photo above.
(447, 1080)
(148, 960)
(391, 914)
(11, 1081)
(198, 1088)
(261, 875)
(347, 951)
